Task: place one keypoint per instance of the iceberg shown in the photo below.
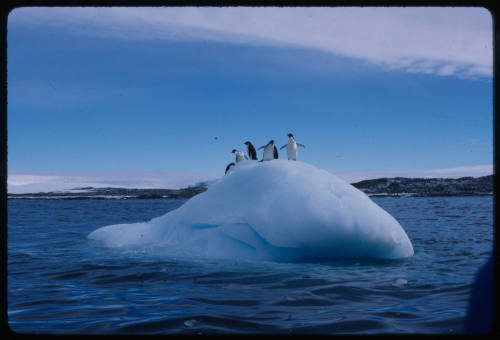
(276, 210)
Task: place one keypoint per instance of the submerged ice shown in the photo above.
(277, 210)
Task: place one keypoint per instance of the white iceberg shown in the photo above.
(275, 210)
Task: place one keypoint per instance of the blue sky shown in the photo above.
(175, 90)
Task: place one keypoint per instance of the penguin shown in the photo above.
(269, 152)
(240, 156)
(252, 154)
(291, 148)
(229, 167)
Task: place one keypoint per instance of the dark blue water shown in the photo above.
(61, 282)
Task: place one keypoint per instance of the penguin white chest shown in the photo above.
(240, 157)
(269, 152)
(291, 150)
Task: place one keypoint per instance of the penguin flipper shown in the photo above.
(283, 146)
(262, 147)
(228, 167)
(298, 144)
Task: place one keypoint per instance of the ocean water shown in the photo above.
(59, 281)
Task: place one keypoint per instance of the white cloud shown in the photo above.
(443, 41)
(20, 182)
(462, 171)
(447, 70)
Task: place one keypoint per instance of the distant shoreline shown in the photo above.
(427, 187)
(381, 187)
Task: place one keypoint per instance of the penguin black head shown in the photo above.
(234, 150)
(290, 135)
(247, 143)
(271, 142)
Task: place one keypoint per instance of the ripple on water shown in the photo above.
(58, 282)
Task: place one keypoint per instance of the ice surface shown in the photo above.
(274, 210)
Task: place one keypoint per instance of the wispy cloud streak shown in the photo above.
(442, 41)
(475, 171)
(20, 182)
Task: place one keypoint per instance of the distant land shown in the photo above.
(381, 187)
(115, 193)
(401, 186)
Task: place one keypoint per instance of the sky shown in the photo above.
(369, 91)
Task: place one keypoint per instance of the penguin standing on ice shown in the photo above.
(252, 154)
(240, 156)
(269, 151)
(291, 148)
(229, 167)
